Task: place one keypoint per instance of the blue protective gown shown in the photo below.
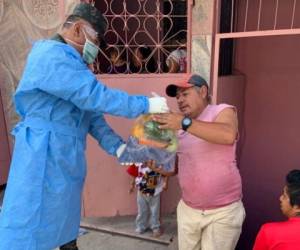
(59, 101)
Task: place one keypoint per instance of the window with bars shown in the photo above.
(144, 37)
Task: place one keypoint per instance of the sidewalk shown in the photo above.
(118, 233)
(105, 241)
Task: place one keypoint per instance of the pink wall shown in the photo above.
(107, 183)
(231, 90)
(4, 148)
(270, 142)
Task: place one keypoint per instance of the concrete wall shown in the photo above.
(231, 90)
(202, 31)
(270, 142)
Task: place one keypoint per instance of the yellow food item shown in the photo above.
(138, 131)
(152, 143)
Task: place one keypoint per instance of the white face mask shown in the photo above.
(90, 50)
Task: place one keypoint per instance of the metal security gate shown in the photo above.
(158, 26)
(253, 18)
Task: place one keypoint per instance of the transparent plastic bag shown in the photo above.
(147, 132)
(148, 142)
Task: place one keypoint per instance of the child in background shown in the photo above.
(118, 61)
(143, 61)
(150, 184)
(284, 235)
(177, 59)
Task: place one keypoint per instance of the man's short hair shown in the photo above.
(93, 16)
(293, 187)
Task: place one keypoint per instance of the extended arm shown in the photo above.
(64, 75)
(221, 131)
(104, 134)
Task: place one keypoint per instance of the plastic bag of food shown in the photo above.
(147, 132)
(149, 142)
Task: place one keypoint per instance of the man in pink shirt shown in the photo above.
(284, 235)
(210, 213)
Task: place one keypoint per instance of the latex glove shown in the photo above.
(158, 104)
(120, 150)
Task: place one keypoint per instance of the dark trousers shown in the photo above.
(72, 245)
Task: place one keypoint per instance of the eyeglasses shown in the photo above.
(91, 32)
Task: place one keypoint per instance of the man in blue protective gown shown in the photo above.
(59, 101)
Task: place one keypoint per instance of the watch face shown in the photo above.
(186, 121)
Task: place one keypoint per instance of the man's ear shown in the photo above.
(77, 29)
(204, 91)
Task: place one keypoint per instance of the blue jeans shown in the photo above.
(145, 204)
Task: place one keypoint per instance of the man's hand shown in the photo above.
(223, 130)
(168, 120)
(152, 165)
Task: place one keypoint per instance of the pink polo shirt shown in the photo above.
(207, 172)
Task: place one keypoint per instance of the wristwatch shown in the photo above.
(186, 123)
